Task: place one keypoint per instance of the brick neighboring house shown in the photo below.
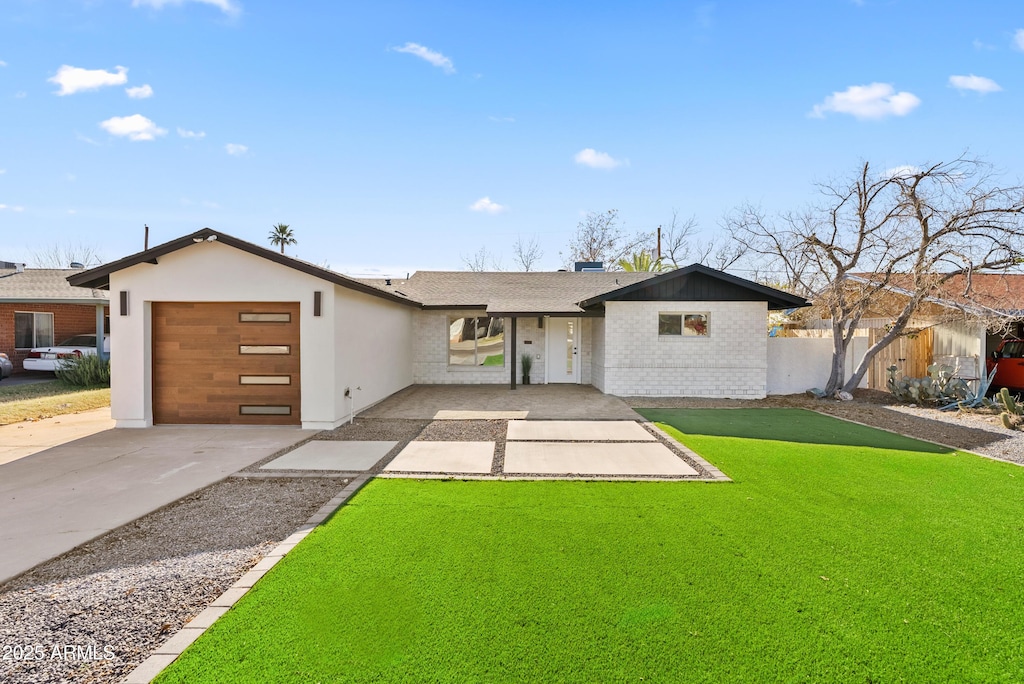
(38, 308)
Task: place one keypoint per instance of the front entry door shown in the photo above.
(563, 350)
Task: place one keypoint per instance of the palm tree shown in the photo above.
(642, 261)
(282, 235)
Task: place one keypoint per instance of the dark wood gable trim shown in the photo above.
(700, 283)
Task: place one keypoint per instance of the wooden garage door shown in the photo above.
(226, 363)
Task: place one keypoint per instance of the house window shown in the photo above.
(476, 341)
(33, 330)
(683, 324)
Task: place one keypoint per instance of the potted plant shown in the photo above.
(527, 365)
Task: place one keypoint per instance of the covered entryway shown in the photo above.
(226, 363)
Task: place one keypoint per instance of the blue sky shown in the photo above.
(395, 136)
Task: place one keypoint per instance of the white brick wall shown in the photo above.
(597, 353)
(730, 362)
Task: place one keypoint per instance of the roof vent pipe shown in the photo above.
(77, 264)
(387, 281)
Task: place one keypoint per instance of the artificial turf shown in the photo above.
(848, 555)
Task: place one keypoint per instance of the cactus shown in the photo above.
(1012, 415)
(938, 387)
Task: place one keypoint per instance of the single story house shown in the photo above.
(209, 328)
(39, 308)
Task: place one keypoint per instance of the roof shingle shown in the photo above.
(45, 284)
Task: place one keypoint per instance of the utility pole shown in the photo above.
(145, 244)
(659, 244)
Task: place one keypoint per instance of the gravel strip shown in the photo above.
(126, 592)
(1006, 445)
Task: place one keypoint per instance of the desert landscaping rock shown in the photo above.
(132, 588)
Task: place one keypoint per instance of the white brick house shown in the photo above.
(212, 329)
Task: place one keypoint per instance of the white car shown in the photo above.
(47, 358)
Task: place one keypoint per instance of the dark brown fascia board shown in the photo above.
(99, 277)
(550, 314)
(454, 307)
(769, 293)
(56, 300)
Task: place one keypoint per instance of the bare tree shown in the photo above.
(62, 255)
(526, 254)
(599, 237)
(917, 228)
(482, 260)
(677, 240)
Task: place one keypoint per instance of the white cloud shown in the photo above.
(20, 95)
(191, 134)
(86, 139)
(7, 207)
(72, 211)
(140, 92)
(978, 84)
(904, 170)
(874, 101)
(3, 171)
(598, 160)
(236, 150)
(3, 63)
(485, 205)
(135, 127)
(210, 205)
(425, 53)
(1018, 39)
(982, 45)
(225, 6)
(75, 79)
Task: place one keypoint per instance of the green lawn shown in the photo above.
(842, 555)
(48, 399)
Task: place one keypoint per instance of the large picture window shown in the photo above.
(477, 341)
(683, 324)
(33, 330)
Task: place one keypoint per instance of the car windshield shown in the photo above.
(1013, 350)
(79, 341)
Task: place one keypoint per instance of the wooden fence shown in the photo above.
(910, 354)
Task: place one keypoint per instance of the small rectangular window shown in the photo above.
(33, 330)
(265, 349)
(265, 318)
(264, 379)
(683, 324)
(265, 410)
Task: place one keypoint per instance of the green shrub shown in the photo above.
(84, 371)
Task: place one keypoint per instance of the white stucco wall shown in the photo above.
(796, 364)
(372, 349)
(213, 272)
(731, 361)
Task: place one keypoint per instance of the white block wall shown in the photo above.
(430, 352)
(796, 364)
(731, 361)
(597, 353)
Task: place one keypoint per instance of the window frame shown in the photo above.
(35, 329)
(476, 365)
(682, 315)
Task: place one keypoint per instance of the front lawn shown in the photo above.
(845, 555)
(47, 399)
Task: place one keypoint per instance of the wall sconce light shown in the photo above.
(124, 302)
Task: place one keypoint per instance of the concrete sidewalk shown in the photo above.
(56, 499)
(32, 436)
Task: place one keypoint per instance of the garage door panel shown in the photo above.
(197, 363)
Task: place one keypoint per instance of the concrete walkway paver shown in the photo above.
(578, 431)
(54, 500)
(28, 437)
(444, 457)
(330, 455)
(593, 458)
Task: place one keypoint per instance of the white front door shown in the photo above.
(563, 349)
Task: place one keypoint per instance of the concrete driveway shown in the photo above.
(54, 500)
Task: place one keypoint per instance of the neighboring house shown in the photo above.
(965, 321)
(39, 308)
(212, 329)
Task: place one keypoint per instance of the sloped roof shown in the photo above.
(49, 285)
(502, 293)
(998, 292)
(99, 277)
